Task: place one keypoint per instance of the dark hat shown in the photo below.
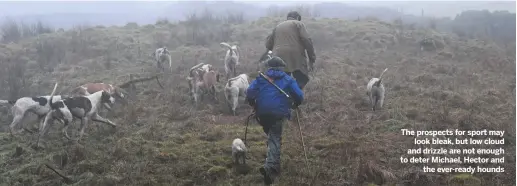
(295, 15)
(275, 62)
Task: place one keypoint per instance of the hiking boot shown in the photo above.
(267, 178)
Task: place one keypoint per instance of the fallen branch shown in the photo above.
(157, 80)
(29, 130)
(67, 179)
(130, 82)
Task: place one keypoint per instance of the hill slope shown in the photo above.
(161, 140)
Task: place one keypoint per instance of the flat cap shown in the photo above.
(295, 15)
(276, 62)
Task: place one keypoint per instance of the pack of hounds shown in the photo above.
(84, 102)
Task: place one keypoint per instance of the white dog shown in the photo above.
(236, 87)
(375, 91)
(231, 60)
(37, 105)
(161, 55)
(238, 151)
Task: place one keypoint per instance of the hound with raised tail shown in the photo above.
(197, 74)
(37, 105)
(81, 107)
(205, 85)
(231, 60)
(238, 151)
(202, 69)
(195, 71)
(375, 91)
(199, 70)
(161, 55)
(236, 87)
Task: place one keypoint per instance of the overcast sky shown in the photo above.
(436, 8)
(433, 8)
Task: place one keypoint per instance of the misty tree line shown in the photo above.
(13, 31)
(498, 26)
(208, 26)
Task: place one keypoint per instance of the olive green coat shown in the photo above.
(289, 40)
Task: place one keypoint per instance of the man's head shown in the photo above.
(294, 15)
(276, 63)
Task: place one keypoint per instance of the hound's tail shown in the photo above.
(196, 66)
(380, 78)
(234, 52)
(231, 80)
(52, 95)
(170, 63)
(190, 74)
(226, 45)
(4, 102)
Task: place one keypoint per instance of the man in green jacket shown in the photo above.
(289, 41)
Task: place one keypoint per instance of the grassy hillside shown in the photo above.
(162, 140)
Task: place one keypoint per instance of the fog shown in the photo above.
(67, 13)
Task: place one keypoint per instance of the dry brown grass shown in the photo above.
(161, 140)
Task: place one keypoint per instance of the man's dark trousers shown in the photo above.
(301, 78)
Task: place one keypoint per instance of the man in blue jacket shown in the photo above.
(272, 110)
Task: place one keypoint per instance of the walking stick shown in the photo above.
(246, 130)
(301, 137)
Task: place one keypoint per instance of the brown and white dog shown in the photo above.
(90, 88)
(205, 85)
(199, 70)
(202, 77)
(81, 107)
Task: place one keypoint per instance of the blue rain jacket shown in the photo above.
(270, 100)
